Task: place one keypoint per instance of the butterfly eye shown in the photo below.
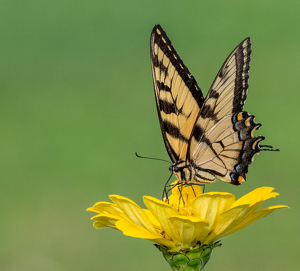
(176, 169)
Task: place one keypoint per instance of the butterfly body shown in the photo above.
(206, 138)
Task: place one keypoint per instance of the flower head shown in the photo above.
(184, 223)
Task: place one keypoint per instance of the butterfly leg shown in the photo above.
(165, 191)
(202, 185)
(180, 195)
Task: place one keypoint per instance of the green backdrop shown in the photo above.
(77, 101)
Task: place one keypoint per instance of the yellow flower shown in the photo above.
(184, 223)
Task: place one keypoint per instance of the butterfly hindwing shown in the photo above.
(227, 150)
(178, 97)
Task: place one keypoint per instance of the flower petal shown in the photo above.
(107, 208)
(258, 194)
(131, 229)
(209, 206)
(134, 212)
(255, 216)
(228, 220)
(152, 218)
(188, 228)
(162, 211)
(102, 221)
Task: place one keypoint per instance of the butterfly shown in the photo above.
(211, 137)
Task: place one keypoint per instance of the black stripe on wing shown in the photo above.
(243, 55)
(232, 77)
(166, 46)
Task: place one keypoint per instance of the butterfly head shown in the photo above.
(182, 171)
(174, 169)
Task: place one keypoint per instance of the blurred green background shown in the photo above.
(77, 102)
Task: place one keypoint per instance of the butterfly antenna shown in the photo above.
(268, 148)
(152, 158)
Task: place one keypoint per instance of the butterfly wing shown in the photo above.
(222, 143)
(178, 97)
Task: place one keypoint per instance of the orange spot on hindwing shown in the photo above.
(239, 116)
(241, 179)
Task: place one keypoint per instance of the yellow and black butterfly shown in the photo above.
(206, 138)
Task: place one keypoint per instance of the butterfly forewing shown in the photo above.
(178, 97)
